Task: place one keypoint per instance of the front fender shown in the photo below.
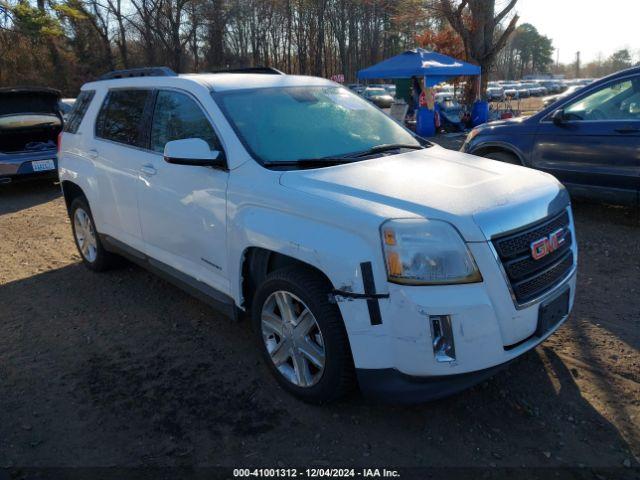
(332, 249)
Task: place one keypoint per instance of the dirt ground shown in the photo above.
(123, 369)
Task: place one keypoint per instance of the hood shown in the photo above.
(21, 100)
(481, 197)
(522, 125)
(501, 123)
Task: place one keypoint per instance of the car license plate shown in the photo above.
(552, 312)
(43, 165)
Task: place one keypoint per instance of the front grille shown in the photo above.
(530, 278)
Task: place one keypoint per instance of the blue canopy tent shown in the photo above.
(435, 67)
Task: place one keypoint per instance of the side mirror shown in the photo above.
(558, 116)
(193, 151)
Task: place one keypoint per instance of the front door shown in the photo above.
(596, 150)
(183, 207)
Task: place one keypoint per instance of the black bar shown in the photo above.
(370, 289)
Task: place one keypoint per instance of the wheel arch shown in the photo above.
(71, 191)
(485, 148)
(327, 247)
(258, 262)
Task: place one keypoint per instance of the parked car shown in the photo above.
(356, 87)
(378, 96)
(554, 98)
(552, 86)
(495, 94)
(65, 105)
(391, 90)
(30, 122)
(523, 90)
(588, 139)
(535, 90)
(358, 250)
(511, 90)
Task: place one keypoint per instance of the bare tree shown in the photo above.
(476, 22)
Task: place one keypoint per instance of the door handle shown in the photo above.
(93, 153)
(627, 130)
(148, 169)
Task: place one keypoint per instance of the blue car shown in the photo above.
(589, 140)
(30, 121)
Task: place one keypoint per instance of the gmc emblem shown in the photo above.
(546, 245)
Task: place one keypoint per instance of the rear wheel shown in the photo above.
(302, 336)
(503, 156)
(93, 254)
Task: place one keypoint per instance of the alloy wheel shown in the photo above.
(293, 339)
(85, 235)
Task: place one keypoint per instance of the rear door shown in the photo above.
(116, 153)
(183, 207)
(596, 151)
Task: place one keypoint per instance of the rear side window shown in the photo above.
(176, 117)
(121, 117)
(78, 111)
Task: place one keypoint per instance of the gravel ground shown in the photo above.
(123, 369)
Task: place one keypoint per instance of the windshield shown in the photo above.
(285, 124)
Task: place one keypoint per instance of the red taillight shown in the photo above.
(59, 141)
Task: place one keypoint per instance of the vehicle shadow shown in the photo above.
(532, 415)
(122, 368)
(22, 195)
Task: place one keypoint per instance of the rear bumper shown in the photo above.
(14, 167)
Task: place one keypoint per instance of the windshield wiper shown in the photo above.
(338, 160)
(311, 162)
(385, 148)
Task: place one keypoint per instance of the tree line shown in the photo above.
(65, 42)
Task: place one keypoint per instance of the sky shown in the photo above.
(592, 27)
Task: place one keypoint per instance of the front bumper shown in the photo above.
(396, 359)
(390, 385)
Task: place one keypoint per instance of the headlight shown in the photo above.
(426, 252)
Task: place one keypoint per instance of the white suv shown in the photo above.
(362, 253)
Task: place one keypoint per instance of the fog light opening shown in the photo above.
(444, 349)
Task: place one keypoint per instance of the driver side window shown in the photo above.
(176, 117)
(619, 100)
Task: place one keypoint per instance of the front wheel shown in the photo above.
(302, 336)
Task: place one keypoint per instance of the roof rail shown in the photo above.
(262, 70)
(139, 72)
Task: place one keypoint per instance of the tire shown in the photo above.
(93, 254)
(505, 157)
(296, 372)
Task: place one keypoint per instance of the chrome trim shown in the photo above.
(549, 293)
(505, 219)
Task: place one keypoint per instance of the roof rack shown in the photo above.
(139, 72)
(262, 70)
